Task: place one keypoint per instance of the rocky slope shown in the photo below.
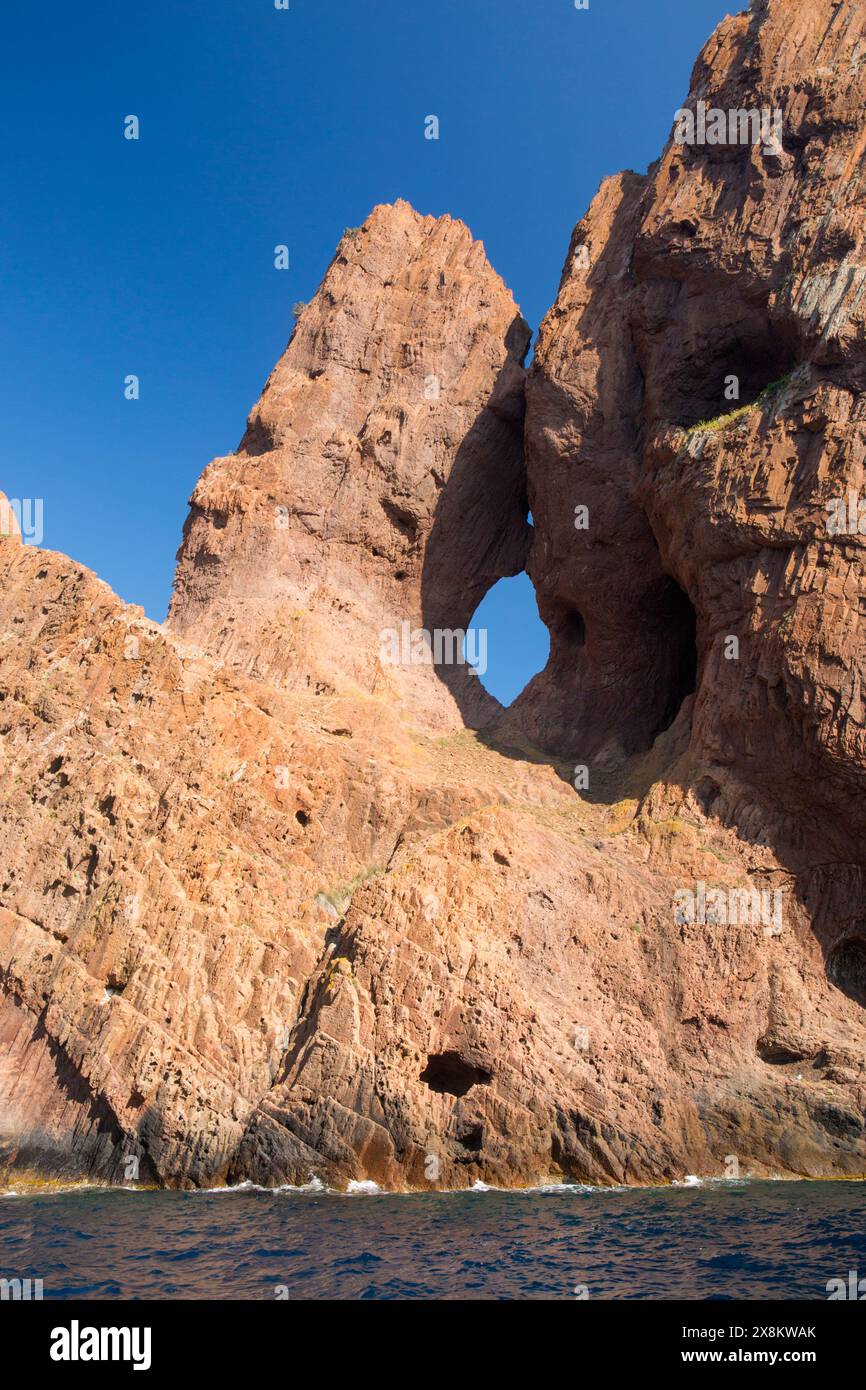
(276, 907)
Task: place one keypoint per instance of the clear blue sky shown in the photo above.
(261, 126)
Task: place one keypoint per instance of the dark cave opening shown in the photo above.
(471, 1140)
(574, 629)
(748, 362)
(448, 1073)
(846, 968)
(680, 635)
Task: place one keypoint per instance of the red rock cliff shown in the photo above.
(272, 907)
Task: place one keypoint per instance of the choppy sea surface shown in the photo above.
(719, 1240)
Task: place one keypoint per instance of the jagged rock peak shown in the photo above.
(380, 480)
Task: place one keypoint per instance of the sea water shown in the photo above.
(714, 1240)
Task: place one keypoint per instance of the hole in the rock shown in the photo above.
(471, 1139)
(405, 521)
(449, 1074)
(574, 629)
(509, 644)
(302, 818)
(777, 1053)
(846, 968)
(680, 629)
(758, 357)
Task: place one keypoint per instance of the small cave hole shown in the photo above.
(574, 629)
(757, 359)
(681, 645)
(447, 1073)
(846, 968)
(471, 1139)
(777, 1053)
(54, 768)
(400, 517)
(302, 817)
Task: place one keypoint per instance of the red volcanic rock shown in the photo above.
(709, 559)
(726, 260)
(390, 429)
(275, 907)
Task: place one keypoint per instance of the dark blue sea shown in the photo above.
(726, 1240)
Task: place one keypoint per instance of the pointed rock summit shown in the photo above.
(390, 430)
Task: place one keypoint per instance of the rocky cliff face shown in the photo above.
(728, 262)
(711, 560)
(272, 907)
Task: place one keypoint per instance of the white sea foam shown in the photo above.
(552, 1188)
(236, 1187)
(314, 1185)
(366, 1187)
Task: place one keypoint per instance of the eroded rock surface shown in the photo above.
(273, 908)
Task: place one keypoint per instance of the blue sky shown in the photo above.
(262, 126)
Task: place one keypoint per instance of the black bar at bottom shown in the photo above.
(195, 1336)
